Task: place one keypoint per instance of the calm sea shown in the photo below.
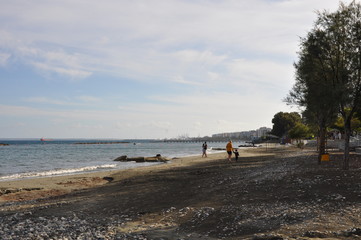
(34, 158)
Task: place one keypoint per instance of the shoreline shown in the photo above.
(32, 188)
(53, 181)
(46, 186)
(112, 165)
(64, 159)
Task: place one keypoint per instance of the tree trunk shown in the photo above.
(346, 157)
(321, 143)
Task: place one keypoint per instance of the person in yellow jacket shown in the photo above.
(229, 149)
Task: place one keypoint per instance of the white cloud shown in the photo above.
(71, 73)
(89, 99)
(181, 80)
(195, 114)
(118, 36)
(66, 101)
(216, 65)
(201, 57)
(261, 72)
(4, 58)
(47, 101)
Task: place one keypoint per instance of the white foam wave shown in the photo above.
(57, 172)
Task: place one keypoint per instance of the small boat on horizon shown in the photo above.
(44, 139)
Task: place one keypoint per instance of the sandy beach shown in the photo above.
(270, 193)
(33, 188)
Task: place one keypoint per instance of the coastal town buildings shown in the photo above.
(251, 134)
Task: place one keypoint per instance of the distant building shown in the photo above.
(263, 131)
(244, 135)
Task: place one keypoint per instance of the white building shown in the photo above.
(261, 132)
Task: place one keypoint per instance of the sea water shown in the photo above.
(35, 158)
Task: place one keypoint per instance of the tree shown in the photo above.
(311, 90)
(339, 124)
(335, 45)
(283, 122)
(357, 122)
(298, 132)
(343, 29)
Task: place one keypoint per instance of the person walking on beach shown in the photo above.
(229, 149)
(236, 154)
(204, 149)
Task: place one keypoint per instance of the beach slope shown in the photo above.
(270, 193)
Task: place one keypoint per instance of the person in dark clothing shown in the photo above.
(236, 153)
(204, 149)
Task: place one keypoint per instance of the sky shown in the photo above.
(136, 69)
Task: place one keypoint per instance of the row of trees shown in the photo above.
(328, 73)
(294, 126)
(290, 125)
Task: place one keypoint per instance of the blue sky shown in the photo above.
(147, 69)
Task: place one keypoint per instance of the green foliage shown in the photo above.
(312, 89)
(299, 131)
(339, 124)
(283, 122)
(356, 125)
(328, 73)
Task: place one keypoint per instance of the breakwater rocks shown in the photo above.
(157, 158)
(4, 144)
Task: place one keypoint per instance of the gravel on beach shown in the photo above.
(268, 194)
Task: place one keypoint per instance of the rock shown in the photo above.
(315, 234)
(351, 232)
(121, 159)
(136, 159)
(109, 179)
(151, 159)
(356, 231)
(157, 158)
(162, 159)
(267, 237)
(246, 145)
(126, 159)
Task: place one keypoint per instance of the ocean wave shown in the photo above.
(57, 172)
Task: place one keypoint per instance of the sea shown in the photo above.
(33, 158)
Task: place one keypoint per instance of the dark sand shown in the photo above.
(270, 193)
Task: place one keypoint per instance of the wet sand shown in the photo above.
(33, 188)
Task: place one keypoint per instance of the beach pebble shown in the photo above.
(19, 226)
